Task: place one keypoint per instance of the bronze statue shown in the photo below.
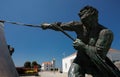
(92, 37)
(11, 50)
(7, 67)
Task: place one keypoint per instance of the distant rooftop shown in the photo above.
(114, 50)
(49, 63)
(114, 54)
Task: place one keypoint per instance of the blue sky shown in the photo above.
(35, 44)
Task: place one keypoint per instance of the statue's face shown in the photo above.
(89, 16)
(89, 20)
(86, 19)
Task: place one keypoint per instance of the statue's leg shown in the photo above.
(75, 71)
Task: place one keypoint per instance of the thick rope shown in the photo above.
(17, 23)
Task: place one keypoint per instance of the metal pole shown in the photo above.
(7, 67)
(54, 65)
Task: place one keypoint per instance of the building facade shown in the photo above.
(67, 61)
(47, 66)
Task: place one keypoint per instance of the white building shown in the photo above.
(66, 62)
(117, 63)
(46, 66)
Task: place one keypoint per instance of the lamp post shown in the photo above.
(53, 63)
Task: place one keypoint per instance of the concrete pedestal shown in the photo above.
(7, 68)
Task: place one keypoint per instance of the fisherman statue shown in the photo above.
(92, 44)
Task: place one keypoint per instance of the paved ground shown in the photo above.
(29, 76)
(49, 74)
(56, 74)
(52, 74)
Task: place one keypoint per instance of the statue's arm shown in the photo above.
(70, 26)
(102, 44)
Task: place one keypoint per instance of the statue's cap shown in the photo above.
(88, 10)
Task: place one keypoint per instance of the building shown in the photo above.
(117, 63)
(47, 66)
(66, 62)
(114, 54)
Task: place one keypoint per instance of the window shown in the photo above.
(65, 65)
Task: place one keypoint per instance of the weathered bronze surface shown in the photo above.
(93, 42)
(7, 67)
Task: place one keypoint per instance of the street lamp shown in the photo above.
(53, 63)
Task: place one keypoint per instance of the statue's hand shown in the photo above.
(45, 25)
(78, 44)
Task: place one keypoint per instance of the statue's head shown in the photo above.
(88, 12)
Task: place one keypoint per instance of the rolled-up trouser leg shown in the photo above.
(76, 71)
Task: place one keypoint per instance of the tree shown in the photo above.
(34, 63)
(27, 64)
(39, 66)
